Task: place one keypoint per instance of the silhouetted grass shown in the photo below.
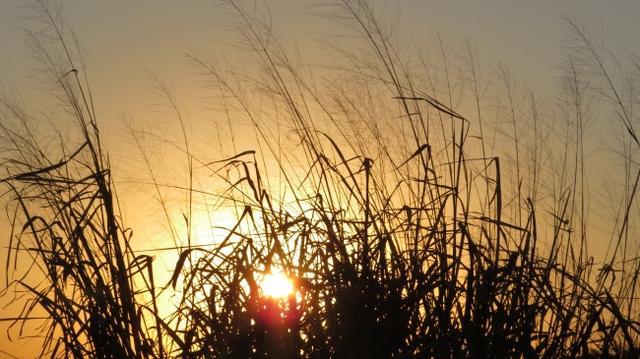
(400, 241)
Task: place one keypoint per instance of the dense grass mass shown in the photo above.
(405, 233)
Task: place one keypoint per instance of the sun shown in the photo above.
(276, 285)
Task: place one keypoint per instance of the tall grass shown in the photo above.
(66, 221)
(405, 237)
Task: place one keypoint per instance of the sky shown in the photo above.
(124, 41)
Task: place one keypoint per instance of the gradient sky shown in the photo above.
(123, 39)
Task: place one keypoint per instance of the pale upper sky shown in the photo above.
(123, 39)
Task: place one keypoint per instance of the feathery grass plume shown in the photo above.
(97, 295)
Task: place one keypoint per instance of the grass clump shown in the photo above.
(400, 241)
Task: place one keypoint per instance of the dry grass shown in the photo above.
(403, 240)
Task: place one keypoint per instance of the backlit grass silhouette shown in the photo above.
(404, 240)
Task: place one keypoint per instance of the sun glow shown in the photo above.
(276, 285)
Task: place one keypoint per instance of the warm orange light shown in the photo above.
(276, 285)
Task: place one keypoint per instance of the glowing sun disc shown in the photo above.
(276, 285)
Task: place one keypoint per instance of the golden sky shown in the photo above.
(124, 41)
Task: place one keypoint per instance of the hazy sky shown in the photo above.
(123, 39)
